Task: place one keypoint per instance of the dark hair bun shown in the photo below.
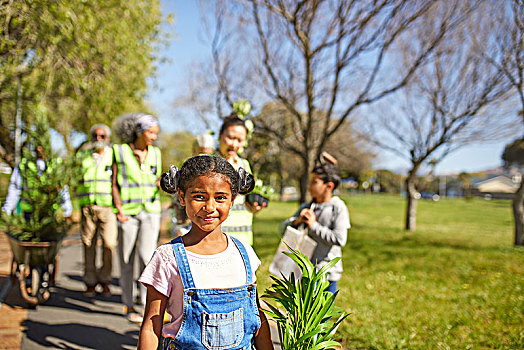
(169, 180)
(246, 181)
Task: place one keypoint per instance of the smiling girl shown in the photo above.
(205, 280)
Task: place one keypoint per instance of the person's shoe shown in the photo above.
(132, 315)
(106, 292)
(90, 291)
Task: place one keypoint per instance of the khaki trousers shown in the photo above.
(97, 222)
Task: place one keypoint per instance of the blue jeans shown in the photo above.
(215, 319)
(333, 286)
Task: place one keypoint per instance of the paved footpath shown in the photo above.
(68, 320)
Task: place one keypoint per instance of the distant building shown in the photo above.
(496, 186)
(5, 169)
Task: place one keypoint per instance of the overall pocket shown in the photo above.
(222, 330)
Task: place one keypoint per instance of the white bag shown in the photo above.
(298, 240)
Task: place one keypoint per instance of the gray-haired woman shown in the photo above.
(137, 167)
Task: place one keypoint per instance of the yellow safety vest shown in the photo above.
(138, 189)
(95, 187)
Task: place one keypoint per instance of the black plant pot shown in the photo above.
(255, 197)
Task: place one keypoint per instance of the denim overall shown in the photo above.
(215, 319)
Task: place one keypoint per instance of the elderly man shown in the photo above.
(96, 200)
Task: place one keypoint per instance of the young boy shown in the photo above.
(327, 218)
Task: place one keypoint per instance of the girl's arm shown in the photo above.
(263, 335)
(151, 328)
(338, 233)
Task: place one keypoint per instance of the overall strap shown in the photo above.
(243, 252)
(183, 264)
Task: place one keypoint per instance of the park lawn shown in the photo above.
(455, 283)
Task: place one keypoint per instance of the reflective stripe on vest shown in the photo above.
(138, 189)
(95, 187)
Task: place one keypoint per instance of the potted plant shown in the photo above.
(261, 194)
(42, 190)
(37, 226)
(304, 311)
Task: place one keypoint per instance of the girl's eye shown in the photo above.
(221, 198)
(198, 197)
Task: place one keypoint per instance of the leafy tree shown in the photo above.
(389, 181)
(86, 61)
(465, 180)
(175, 148)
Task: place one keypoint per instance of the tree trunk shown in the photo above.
(518, 215)
(411, 210)
(304, 179)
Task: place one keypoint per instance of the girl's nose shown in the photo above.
(210, 206)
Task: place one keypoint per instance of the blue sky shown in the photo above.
(187, 46)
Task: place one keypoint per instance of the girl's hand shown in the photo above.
(308, 217)
(255, 207)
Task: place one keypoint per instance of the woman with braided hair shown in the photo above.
(205, 279)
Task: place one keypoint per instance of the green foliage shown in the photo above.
(454, 284)
(46, 222)
(309, 318)
(514, 153)
(264, 190)
(86, 61)
(175, 148)
(242, 108)
(389, 181)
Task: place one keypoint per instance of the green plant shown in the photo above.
(309, 318)
(264, 190)
(45, 221)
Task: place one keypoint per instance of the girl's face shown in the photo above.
(208, 200)
(231, 141)
(150, 135)
(318, 189)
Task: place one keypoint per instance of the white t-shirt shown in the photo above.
(222, 270)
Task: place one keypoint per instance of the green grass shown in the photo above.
(455, 283)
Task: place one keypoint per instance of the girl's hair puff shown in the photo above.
(241, 181)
